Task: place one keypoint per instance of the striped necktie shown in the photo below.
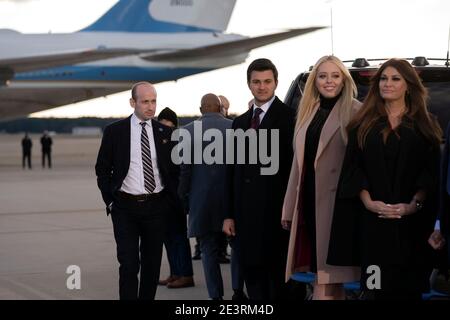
(149, 178)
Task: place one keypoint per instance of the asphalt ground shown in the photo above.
(53, 219)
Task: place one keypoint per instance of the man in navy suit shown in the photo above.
(135, 176)
(255, 200)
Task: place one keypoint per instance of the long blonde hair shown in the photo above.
(311, 96)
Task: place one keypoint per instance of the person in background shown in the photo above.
(223, 241)
(46, 143)
(27, 144)
(237, 278)
(224, 105)
(176, 241)
(202, 188)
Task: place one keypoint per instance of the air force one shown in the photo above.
(152, 40)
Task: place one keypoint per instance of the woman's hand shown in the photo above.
(387, 211)
(384, 211)
(404, 209)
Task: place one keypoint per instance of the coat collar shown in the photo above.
(157, 130)
(268, 117)
(265, 107)
(332, 124)
(330, 127)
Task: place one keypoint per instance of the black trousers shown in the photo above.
(139, 229)
(26, 157)
(48, 155)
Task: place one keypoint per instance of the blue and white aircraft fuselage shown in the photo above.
(125, 68)
(136, 40)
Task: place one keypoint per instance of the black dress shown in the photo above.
(392, 172)
(309, 183)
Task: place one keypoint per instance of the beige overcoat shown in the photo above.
(328, 163)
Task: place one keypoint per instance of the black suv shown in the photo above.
(436, 77)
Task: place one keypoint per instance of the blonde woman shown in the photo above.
(325, 110)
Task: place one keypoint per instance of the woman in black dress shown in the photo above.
(387, 199)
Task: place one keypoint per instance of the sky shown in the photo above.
(361, 28)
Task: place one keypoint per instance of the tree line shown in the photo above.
(62, 125)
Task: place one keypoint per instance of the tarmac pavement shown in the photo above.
(52, 219)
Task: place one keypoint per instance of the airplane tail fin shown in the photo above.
(165, 16)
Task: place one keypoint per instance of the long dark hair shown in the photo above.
(416, 97)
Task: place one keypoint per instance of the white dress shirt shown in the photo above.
(264, 109)
(134, 181)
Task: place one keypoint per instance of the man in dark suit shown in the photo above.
(46, 143)
(202, 186)
(135, 176)
(27, 144)
(255, 200)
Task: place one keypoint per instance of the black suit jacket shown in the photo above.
(255, 201)
(113, 160)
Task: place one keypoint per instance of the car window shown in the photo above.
(436, 80)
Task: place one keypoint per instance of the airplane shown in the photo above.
(136, 40)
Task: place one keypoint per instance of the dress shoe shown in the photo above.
(182, 282)
(169, 279)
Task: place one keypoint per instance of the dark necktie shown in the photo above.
(254, 124)
(149, 178)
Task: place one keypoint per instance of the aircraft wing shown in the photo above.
(15, 103)
(228, 48)
(29, 63)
